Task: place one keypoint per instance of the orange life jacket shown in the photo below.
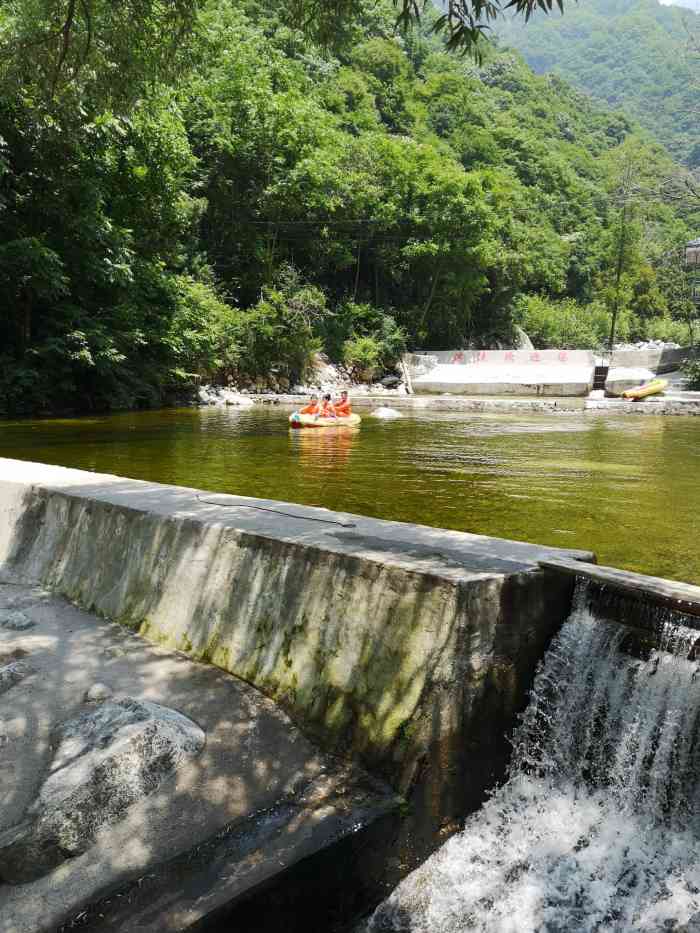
(311, 409)
(328, 410)
(342, 408)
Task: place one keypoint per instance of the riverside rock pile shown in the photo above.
(216, 395)
(356, 388)
(647, 345)
(326, 377)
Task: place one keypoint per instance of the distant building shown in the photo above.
(692, 265)
(692, 253)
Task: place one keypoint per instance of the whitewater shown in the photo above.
(597, 827)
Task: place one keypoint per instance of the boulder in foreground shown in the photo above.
(105, 760)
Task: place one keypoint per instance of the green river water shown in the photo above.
(627, 488)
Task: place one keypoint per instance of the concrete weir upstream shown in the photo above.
(371, 659)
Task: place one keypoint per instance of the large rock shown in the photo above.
(14, 620)
(12, 672)
(98, 693)
(105, 761)
(522, 341)
(622, 378)
(325, 375)
(231, 397)
(205, 396)
(216, 395)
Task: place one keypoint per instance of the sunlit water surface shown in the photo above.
(627, 488)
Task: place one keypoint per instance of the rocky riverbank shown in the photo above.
(325, 377)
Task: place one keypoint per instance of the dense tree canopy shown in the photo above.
(108, 51)
(223, 195)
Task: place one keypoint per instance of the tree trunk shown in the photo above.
(618, 275)
(25, 323)
(433, 288)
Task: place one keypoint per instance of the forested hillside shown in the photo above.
(209, 193)
(636, 55)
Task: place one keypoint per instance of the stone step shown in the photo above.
(600, 375)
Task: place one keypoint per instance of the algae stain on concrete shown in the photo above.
(369, 656)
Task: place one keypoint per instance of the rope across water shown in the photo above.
(261, 508)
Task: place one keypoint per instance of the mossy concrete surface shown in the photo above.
(406, 647)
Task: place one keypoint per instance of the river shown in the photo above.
(626, 487)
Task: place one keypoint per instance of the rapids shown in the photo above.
(598, 825)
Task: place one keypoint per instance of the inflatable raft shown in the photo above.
(649, 388)
(297, 420)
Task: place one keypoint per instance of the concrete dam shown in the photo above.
(540, 373)
(231, 713)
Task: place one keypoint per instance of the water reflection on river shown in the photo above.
(626, 487)
(327, 449)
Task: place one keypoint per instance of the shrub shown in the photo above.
(664, 328)
(361, 355)
(691, 373)
(280, 333)
(392, 342)
(566, 323)
(372, 341)
(202, 336)
(23, 389)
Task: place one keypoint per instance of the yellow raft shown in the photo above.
(649, 388)
(297, 420)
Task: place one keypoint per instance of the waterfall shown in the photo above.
(598, 826)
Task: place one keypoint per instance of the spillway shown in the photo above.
(597, 826)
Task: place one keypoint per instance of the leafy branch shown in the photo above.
(464, 23)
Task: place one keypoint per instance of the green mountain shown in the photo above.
(636, 55)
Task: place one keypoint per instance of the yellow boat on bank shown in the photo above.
(297, 420)
(650, 388)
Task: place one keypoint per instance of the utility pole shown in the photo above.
(626, 192)
(618, 275)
